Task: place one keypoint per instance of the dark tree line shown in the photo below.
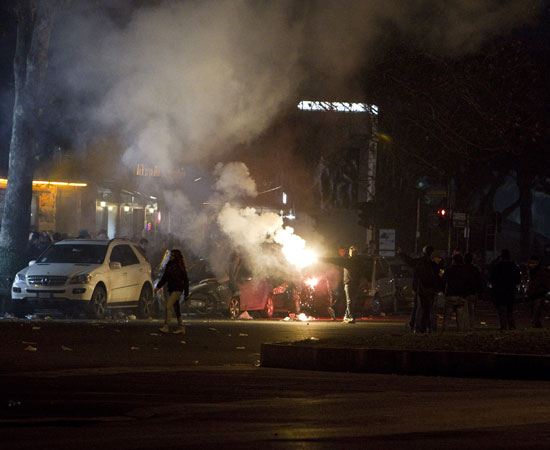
(477, 120)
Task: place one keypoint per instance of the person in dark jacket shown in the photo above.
(336, 282)
(177, 281)
(353, 271)
(474, 287)
(505, 277)
(425, 268)
(455, 283)
(539, 285)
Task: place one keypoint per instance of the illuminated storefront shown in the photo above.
(55, 206)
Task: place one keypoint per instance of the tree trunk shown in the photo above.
(30, 63)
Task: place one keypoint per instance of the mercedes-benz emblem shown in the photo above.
(45, 281)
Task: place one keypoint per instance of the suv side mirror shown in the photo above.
(114, 265)
(32, 262)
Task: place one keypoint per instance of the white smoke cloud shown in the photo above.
(194, 223)
(234, 181)
(186, 81)
(182, 81)
(270, 247)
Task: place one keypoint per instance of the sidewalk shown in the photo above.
(329, 356)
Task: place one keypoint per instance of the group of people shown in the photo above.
(463, 284)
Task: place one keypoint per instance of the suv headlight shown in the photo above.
(81, 279)
(21, 277)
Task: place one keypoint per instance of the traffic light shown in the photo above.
(443, 218)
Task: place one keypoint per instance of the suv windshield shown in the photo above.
(75, 253)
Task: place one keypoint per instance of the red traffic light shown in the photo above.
(441, 212)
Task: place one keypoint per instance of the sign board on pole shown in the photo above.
(460, 220)
(386, 242)
(436, 193)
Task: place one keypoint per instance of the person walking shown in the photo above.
(505, 277)
(539, 285)
(474, 287)
(177, 281)
(455, 288)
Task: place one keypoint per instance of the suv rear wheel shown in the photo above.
(234, 307)
(98, 302)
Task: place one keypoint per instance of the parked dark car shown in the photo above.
(216, 295)
(403, 278)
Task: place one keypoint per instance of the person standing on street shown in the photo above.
(455, 284)
(336, 283)
(175, 277)
(474, 287)
(539, 285)
(353, 268)
(427, 267)
(505, 277)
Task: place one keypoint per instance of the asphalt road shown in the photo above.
(56, 344)
(123, 385)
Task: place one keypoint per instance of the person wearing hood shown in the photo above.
(177, 281)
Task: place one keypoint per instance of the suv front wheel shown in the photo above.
(98, 302)
(145, 303)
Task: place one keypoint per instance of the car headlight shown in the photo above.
(21, 277)
(81, 279)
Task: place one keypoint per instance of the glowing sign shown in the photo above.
(307, 105)
(4, 181)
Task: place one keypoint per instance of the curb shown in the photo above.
(406, 362)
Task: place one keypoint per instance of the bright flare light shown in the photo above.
(303, 317)
(294, 248)
(312, 281)
(296, 253)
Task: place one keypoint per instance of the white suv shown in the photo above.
(93, 274)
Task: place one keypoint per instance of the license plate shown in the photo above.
(44, 295)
